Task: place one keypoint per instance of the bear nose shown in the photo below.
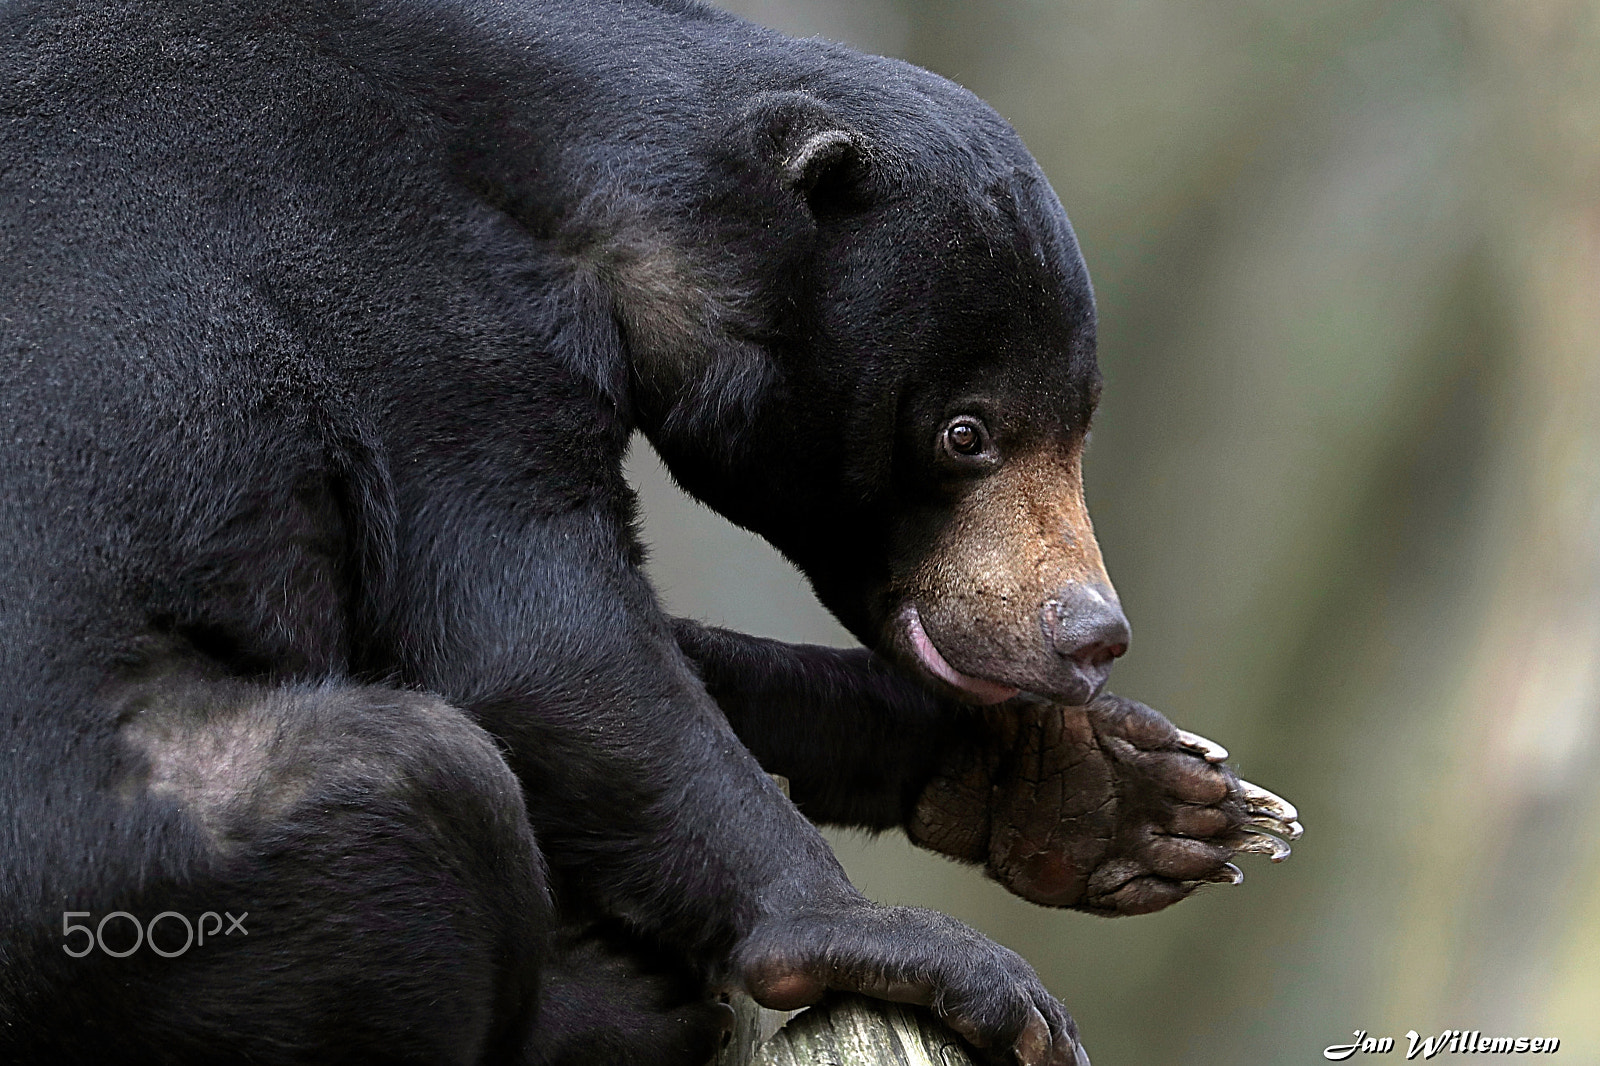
(1085, 627)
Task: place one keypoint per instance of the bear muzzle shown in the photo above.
(980, 689)
(1013, 595)
(1081, 631)
(1084, 626)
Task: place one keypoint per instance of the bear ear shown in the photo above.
(827, 161)
(811, 150)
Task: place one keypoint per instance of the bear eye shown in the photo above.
(965, 441)
(965, 438)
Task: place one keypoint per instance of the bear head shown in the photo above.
(891, 375)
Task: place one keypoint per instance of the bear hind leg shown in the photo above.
(372, 845)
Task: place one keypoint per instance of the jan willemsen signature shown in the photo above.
(1454, 1041)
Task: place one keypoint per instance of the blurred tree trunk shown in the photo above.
(1507, 880)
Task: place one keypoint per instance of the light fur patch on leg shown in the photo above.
(224, 751)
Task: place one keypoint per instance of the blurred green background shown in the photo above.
(1347, 479)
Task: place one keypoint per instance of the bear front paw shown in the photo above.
(986, 993)
(1106, 808)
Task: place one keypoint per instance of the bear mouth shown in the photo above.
(979, 689)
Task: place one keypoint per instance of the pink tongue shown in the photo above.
(984, 691)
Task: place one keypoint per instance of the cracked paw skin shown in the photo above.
(1106, 808)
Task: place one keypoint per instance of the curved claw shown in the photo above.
(1228, 875)
(1209, 750)
(1033, 1046)
(1262, 802)
(1287, 830)
(1257, 843)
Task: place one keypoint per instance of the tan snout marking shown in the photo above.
(1015, 541)
(1052, 526)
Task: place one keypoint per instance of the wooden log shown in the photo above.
(856, 1031)
(753, 1025)
(841, 1031)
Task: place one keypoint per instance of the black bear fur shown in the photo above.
(324, 328)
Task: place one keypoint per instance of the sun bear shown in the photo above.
(324, 328)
